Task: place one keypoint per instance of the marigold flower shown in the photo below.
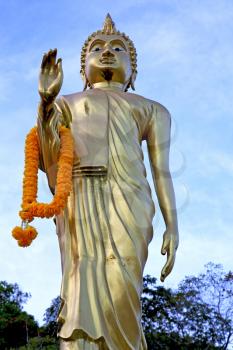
(30, 207)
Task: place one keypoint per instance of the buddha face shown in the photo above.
(108, 59)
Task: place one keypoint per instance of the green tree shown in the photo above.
(198, 315)
(41, 342)
(16, 326)
(51, 325)
(214, 288)
(47, 334)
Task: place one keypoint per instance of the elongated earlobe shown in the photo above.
(131, 82)
(84, 79)
(85, 85)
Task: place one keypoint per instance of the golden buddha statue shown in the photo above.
(106, 227)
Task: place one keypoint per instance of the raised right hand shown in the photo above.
(51, 77)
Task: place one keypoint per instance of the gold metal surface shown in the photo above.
(106, 227)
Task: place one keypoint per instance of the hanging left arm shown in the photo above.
(158, 142)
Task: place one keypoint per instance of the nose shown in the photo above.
(107, 52)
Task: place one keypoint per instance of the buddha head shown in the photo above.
(108, 55)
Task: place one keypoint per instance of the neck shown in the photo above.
(113, 85)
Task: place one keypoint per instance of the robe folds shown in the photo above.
(106, 227)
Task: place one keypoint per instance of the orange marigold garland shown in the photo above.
(30, 207)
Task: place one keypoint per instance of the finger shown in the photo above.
(165, 245)
(52, 62)
(44, 60)
(60, 76)
(48, 62)
(169, 265)
(59, 64)
(53, 56)
(59, 69)
(49, 56)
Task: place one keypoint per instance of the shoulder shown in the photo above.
(72, 97)
(136, 99)
(159, 110)
(150, 104)
(65, 105)
(154, 111)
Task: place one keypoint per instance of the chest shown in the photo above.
(94, 113)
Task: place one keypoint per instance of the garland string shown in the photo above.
(25, 233)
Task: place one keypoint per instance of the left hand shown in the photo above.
(169, 247)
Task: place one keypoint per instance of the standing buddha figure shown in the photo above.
(106, 226)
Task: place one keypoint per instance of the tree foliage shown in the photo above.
(197, 315)
(51, 325)
(47, 334)
(16, 326)
(11, 293)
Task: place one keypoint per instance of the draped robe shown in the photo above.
(106, 227)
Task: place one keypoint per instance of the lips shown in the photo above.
(106, 60)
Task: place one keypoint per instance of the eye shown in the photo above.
(118, 46)
(118, 49)
(96, 48)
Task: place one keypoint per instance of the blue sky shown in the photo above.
(185, 57)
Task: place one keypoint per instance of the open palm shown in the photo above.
(51, 76)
